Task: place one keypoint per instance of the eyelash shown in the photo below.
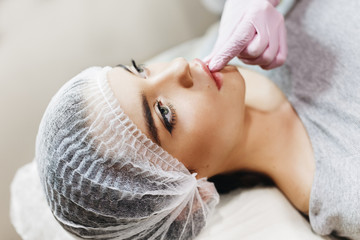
(139, 69)
(168, 125)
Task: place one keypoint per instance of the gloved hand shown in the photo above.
(252, 30)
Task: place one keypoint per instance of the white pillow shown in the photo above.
(29, 211)
(260, 213)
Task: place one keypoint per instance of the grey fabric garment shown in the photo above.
(321, 80)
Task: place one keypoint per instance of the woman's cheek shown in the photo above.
(198, 131)
(195, 146)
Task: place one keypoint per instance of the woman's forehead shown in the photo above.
(128, 91)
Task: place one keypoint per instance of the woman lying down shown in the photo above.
(125, 152)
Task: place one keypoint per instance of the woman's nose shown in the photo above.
(177, 72)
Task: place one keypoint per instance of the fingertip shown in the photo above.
(215, 66)
(255, 48)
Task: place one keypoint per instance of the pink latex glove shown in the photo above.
(252, 30)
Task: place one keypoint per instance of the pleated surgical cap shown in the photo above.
(104, 179)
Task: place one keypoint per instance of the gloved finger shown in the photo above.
(270, 53)
(281, 56)
(257, 45)
(263, 60)
(274, 2)
(219, 42)
(255, 48)
(275, 63)
(237, 42)
(223, 36)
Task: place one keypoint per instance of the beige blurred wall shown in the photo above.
(43, 43)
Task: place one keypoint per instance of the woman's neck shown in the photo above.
(267, 125)
(275, 142)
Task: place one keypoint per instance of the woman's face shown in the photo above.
(179, 106)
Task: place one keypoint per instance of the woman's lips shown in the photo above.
(216, 76)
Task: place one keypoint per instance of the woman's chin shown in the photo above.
(232, 78)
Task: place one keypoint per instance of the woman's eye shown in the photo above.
(165, 112)
(167, 115)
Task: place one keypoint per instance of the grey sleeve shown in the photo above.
(321, 80)
(335, 197)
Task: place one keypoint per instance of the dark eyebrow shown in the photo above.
(124, 67)
(146, 112)
(149, 119)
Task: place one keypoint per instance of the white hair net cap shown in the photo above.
(104, 179)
